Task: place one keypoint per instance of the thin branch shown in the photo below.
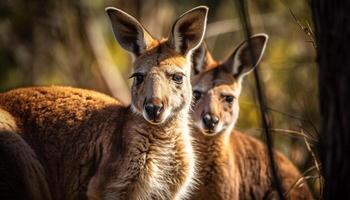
(301, 103)
(299, 183)
(292, 116)
(301, 178)
(294, 133)
(306, 29)
(263, 108)
(287, 114)
(317, 165)
(278, 111)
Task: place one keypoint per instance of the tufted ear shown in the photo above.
(201, 59)
(128, 31)
(240, 62)
(188, 31)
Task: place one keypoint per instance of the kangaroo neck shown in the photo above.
(161, 156)
(215, 150)
(218, 172)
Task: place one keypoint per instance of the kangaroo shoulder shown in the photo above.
(67, 109)
(55, 100)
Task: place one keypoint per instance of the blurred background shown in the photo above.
(49, 42)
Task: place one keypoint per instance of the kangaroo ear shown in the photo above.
(128, 31)
(188, 31)
(198, 58)
(201, 59)
(240, 62)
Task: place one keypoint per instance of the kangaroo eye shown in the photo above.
(178, 78)
(229, 98)
(138, 77)
(197, 95)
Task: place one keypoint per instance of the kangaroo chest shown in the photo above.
(152, 168)
(218, 175)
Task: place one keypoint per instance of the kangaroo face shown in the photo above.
(215, 101)
(217, 86)
(161, 72)
(161, 86)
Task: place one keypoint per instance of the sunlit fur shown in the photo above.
(158, 65)
(232, 165)
(168, 143)
(91, 146)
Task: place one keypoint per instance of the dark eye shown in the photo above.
(229, 98)
(178, 78)
(197, 95)
(138, 77)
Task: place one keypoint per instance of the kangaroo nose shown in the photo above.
(210, 121)
(154, 108)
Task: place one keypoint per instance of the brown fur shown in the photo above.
(239, 169)
(233, 165)
(66, 128)
(82, 127)
(91, 146)
(21, 174)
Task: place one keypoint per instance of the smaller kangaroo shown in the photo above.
(81, 144)
(232, 165)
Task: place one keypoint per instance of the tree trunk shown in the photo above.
(332, 31)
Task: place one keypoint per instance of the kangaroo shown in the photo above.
(17, 160)
(232, 165)
(89, 146)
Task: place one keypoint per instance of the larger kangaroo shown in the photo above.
(90, 146)
(232, 165)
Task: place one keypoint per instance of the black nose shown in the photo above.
(153, 108)
(210, 121)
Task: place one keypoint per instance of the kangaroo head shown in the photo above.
(217, 85)
(161, 71)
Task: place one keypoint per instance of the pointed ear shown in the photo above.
(128, 31)
(198, 58)
(188, 30)
(201, 59)
(240, 63)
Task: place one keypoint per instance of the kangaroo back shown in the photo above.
(253, 164)
(65, 127)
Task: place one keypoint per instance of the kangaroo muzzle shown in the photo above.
(210, 121)
(153, 109)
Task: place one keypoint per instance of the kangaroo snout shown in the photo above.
(153, 108)
(210, 121)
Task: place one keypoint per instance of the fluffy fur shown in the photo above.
(91, 146)
(233, 165)
(79, 134)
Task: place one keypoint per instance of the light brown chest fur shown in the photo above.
(151, 166)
